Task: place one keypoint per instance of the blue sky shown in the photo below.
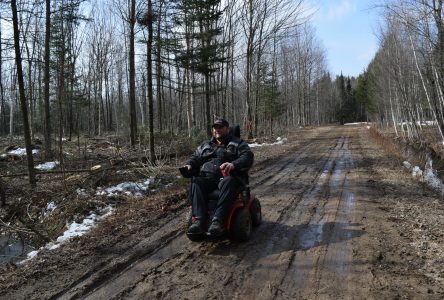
(347, 29)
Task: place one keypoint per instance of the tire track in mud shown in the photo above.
(123, 286)
(303, 210)
(324, 242)
(265, 237)
(295, 233)
(94, 280)
(274, 234)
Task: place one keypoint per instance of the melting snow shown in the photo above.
(74, 229)
(416, 172)
(279, 141)
(51, 206)
(22, 152)
(47, 166)
(407, 164)
(422, 123)
(82, 193)
(136, 189)
(428, 176)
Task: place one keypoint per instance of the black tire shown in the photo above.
(256, 212)
(240, 228)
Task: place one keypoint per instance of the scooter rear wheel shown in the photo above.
(256, 212)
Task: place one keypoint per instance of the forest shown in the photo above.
(102, 100)
(140, 69)
(144, 71)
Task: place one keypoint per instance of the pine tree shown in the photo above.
(63, 34)
(270, 107)
(204, 51)
(364, 96)
(340, 83)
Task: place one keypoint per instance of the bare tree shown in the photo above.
(260, 26)
(23, 101)
(132, 71)
(46, 79)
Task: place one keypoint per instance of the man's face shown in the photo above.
(220, 131)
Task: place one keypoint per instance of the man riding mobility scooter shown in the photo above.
(221, 201)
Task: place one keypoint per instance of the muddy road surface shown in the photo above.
(341, 220)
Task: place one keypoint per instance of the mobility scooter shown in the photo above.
(244, 214)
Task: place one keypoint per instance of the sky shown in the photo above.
(347, 28)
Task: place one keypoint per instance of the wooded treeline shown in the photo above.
(139, 68)
(404, 82)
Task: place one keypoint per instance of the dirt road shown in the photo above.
(341, 220)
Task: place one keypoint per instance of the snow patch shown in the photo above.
(135, 189)
(22, 152)
(47, 166)
(51, 206)
(74, 229)
(82, 193)
(31, 255)
(416, 172)
(428, 176)
(422, 123)
(279, 141)
(407, 164)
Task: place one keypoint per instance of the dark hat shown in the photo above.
(221, 122)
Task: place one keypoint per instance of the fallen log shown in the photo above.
(91, 170)
(52, 172)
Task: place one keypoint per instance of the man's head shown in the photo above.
(220, 128)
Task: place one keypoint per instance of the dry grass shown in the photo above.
(416, 152)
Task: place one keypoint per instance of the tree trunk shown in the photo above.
(2, 98)
(159, 69)
(150, 81)
(132, 74)
(249, 67)
(207, 104)
(23, 104)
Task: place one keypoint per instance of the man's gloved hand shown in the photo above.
(186, 171)
(226, 168)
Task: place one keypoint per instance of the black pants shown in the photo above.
(201, 187)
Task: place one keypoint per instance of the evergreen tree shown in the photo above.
(363, 95)
(349, 110)
(340, 83)
(203, 53)
(66, 19)
(350, 107)
(269, 105)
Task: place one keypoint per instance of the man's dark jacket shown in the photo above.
(209, 156)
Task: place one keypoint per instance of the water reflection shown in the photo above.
(12, 249)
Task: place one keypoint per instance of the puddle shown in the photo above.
(12, 250)
(311, 236)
